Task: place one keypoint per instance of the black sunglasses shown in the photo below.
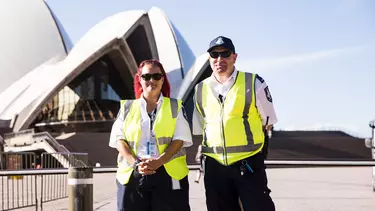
(223, 54)
(155, 76)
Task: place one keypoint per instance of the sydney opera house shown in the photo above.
(60, 97)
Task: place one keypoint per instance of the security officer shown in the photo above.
(150, 134)
(231, 110)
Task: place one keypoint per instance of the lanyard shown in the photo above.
(152, 119)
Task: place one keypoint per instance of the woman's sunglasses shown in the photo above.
(155, 76)
(223, 54)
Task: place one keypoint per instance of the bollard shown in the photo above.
(80, 189)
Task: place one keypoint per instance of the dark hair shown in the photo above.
(165, 89)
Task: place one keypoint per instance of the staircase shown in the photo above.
(28, 140)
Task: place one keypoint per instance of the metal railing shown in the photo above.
(64, 160)
(23, 183)
(18, 191)
(53, 186)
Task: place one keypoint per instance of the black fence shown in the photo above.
(34, 188)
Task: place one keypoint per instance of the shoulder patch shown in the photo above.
(260, 78)
(268, 94)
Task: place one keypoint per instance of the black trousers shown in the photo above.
(153, 193)
(225, 185)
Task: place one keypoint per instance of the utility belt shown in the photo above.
(247, 165)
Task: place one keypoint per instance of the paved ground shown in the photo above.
(307, 189)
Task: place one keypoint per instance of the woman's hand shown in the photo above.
(144, 168)
(154, 163)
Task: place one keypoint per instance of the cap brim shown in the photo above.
(215, 46)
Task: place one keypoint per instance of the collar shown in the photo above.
(143, 101)
(231, 77)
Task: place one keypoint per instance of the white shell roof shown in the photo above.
(92, 44)
(27, 40)
(167, 47)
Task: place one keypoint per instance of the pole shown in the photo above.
(80, 188)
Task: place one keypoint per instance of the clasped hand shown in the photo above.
(148, 166)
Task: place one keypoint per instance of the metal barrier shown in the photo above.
(18, 191)
(64, 160)
(32, 187)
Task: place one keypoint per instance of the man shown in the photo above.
(232, 109)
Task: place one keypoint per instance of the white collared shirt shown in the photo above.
(263, 102)
(182, 131)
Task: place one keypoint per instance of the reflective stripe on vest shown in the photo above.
(202, 92)
(126, 107)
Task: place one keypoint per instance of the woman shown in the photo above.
(150, 133)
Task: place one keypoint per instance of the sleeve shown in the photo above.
(182, 131)
(264, 102)
(117, 131)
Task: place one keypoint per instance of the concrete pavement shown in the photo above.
(307, 189)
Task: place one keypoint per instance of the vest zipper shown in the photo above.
(222, 132)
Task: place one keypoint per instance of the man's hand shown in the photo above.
(268, 127)
(198, 159)
(198, 156)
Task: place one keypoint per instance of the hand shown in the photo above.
(268, 127)
(198, 156)
(154, 163)
(144, 168)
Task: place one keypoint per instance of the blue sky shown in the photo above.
(317, 56)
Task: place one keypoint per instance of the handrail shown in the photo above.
(47, 137)
(63, 149)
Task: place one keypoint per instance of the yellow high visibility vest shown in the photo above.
(164, 127)
(232, 129)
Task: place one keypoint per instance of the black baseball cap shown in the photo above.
(221, 41)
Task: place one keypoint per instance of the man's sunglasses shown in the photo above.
(223, 54)
(155, 76)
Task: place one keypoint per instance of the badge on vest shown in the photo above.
(268, 94)
(152, 148)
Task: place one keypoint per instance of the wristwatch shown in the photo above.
(135, 164)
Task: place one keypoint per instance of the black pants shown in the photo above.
(153, 193)
(225, 185)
